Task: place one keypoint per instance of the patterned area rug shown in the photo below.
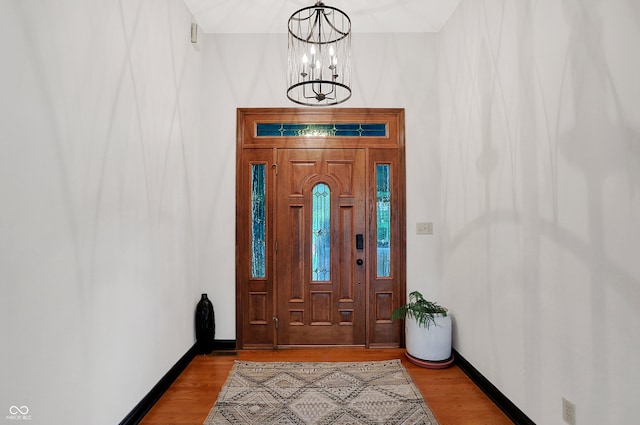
(321, 393)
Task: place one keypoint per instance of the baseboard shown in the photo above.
(142, 408)
(511, 410)
(224, 344)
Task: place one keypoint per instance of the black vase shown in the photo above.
(205, 325)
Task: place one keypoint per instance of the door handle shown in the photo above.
(359, 241)
(359, 261)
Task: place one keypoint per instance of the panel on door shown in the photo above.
(320, 269)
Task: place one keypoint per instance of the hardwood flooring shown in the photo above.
(451, 395)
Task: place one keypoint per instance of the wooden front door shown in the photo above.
(320, 227)
(321, 223)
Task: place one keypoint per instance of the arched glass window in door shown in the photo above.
(321, 233)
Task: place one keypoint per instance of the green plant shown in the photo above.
(421, 310)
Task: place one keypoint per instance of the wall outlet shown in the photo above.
(424, 228)
(568, 412)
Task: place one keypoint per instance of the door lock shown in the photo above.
(359, 261)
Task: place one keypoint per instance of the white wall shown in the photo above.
(390, 71)
(523, 148)
(99, 124)
(540, 149)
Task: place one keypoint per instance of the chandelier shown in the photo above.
(319, 63)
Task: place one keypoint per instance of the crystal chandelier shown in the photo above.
(319, 67)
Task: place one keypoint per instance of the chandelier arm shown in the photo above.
(317, 93)
(299, 20)
(333, 27)
(316, 23)
(332, 92)
(304, 92)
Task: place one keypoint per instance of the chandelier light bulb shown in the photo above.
(305, 60)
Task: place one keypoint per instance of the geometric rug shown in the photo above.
(320, 393)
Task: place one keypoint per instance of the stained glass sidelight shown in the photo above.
(258, 221)
(321, 233)
(383, 220)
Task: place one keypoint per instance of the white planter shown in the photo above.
(433, 344)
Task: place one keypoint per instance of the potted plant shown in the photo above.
(427, 331)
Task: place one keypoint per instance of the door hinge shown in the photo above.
(276, 246)
(275, 167)
(275, 321)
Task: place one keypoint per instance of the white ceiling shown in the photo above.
(367, 16)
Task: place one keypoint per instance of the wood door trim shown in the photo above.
(266, 148)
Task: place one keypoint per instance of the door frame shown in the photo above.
(261, 298)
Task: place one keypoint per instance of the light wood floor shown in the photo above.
(450, 394)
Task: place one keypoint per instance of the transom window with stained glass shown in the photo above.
(321, 130)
